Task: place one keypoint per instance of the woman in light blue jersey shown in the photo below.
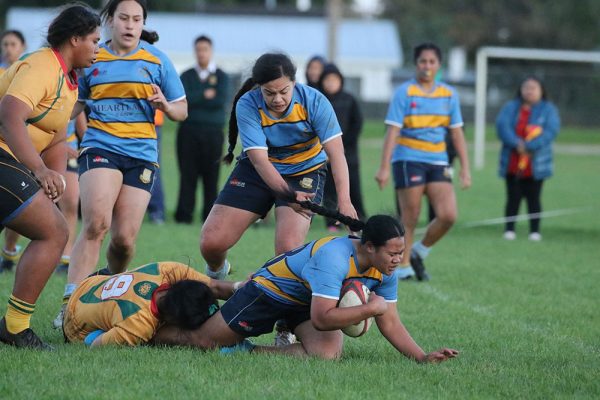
(421, 114)
(288, 132)
(119, 156)
(303, 286)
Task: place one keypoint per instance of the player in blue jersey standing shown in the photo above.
(129, 81)
(303, 286)
(421, 114)
(288, 131)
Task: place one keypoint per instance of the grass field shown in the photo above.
(524, 315)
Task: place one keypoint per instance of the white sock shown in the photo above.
(69, 289)
(221, 273)
(421, 249)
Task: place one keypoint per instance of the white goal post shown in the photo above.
(485, 53)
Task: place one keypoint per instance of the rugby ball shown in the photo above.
(353, 294)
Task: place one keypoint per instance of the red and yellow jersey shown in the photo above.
(119, 304)
(41, 81)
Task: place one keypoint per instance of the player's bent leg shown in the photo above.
(96, 210)
(223, 228)
(45, 226)
(128, 215)
(326, 345)
(11, 251)
(290, 230)
(409, 200)
(69, 204)
(443, 200)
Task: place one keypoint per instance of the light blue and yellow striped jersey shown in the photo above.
(319, 268)
(295, 141)
(424, 119)
(116, 87)
(72, 139)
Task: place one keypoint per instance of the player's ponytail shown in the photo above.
(378, 229)
(268, 67)
(149, 36)
(233, 126)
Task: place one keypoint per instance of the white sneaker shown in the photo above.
(509, 235)
(535, 237)
(58, 321)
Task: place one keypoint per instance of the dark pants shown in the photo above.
(516, 189)
(156, 206)
(199, 151)
(330, 194)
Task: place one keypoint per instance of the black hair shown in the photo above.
(268, 67)
(427, 46)
(187, 304)
(14, 32)
(203, 38)
(74, 20)
(378, 229)
(329, 69)
(109, 12)
(532, 78)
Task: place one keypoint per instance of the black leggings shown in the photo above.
(516, 189)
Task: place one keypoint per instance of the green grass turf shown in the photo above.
(524, 315)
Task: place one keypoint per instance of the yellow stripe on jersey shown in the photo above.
(298, 114)
(440, 91)
(303, 144)
(306, 171)
(426, 121)
(370, 273)
(261, 280)
(320, 243)
(421, 145)
(299, 157)
(129, 90)
(140, 55)
(281, 270)
(139, 130)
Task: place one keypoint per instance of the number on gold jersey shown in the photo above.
(116, 286)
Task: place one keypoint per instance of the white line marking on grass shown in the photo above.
(491, 312)
(521, 217)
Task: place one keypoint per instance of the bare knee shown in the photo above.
(96, 229)
(122, 243)
(324, 353)
(211, 244)
(447, 219)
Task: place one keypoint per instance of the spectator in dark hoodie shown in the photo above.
(314, 69)
(348, 113)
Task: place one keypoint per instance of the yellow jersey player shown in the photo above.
(37, 96)
(128, 308)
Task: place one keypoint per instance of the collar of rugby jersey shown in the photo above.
(72, 76)
(153, 305)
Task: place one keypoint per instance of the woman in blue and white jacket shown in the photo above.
(527, 126)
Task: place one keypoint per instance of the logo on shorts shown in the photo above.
(99, 159)
(72, 163)
(146, 176)
(416, 178)
(448, 172)
(24, 185)
(245, 326)
(306, 183)
(236, 182)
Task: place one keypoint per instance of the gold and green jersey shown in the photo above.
(119, 304)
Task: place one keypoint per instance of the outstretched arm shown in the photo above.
(393, 330)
